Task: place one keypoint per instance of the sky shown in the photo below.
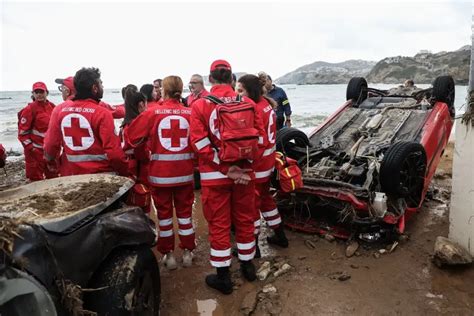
(137, 42)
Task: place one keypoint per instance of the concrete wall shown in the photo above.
(461, 217)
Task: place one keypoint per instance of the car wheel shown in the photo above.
(444, 91)
(292, 142)
(402, 172)
(127, 283)
(357, 90)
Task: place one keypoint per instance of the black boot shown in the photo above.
(220, 281)
(248, 270)
(257, 248)
(279, 238)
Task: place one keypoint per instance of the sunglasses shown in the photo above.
(194, 82)
(38, 91)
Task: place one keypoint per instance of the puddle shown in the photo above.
(209, 308)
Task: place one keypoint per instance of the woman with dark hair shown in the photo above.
(253, 87)
(138, 158)
(149, 91)
(166, 129)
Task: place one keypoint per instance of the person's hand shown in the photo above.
(288, 122)
(239, 175)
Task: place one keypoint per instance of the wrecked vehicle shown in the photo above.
(367, 168)
(69, 246)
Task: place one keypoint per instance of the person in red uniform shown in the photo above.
(252, 87)
(196, 86)
(85, 131)
(227, 188)
(171, 168)
(66, 87)
(32, 125)
(68, 92)
(3, 156)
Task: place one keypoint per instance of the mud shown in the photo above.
(59, 201)
(324, 281)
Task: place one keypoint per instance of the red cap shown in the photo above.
(68, 82)
(39, 86)
(220, 63)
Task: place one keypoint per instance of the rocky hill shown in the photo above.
(424, 67)
(321, 72)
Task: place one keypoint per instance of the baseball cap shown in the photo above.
(68, 82)
(220, 63)
(39, 86)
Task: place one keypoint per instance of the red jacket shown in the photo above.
(193, 98)
(205, 137)
(138, 158)
(167, 130)
(33, 124)
(85, 130)
(264, 167)
(153, 104)
(118, 111)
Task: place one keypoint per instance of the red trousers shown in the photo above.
(225, 205)
(265, 204)
(182, 198)
(36, 167)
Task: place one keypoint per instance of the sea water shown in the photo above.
(310, 104)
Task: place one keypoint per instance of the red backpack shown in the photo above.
(236, 124)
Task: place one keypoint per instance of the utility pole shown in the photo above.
(461, 215)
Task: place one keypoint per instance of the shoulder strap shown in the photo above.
(214, 99)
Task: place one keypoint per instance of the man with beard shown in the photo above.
(85, 130)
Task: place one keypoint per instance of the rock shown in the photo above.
(269, 288)
(403, 238)
(382, 251)
(310, 244)
(329, 237)
(249, 303)
(447, 252)
(376, 255)
(301, 257)
(392, 248)
(344, 277)
(352, 248)
(264, 271)
(357, 254)
(354, 266)
(284, 269)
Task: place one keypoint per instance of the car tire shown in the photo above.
(127, 283)
(292, 142)
(357, 90)
(444, 91)
(402, 172)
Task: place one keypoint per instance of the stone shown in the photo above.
(264, 271)
(301, 257)
(448, 252)
(382, 251)
(249, 303)
(354, 266)
(376, 255)
(269, 288)
(352, 248)
(329, 237)
(344, 277)
(284, 269)
(392, 248)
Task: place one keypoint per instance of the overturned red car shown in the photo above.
(368, 167)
